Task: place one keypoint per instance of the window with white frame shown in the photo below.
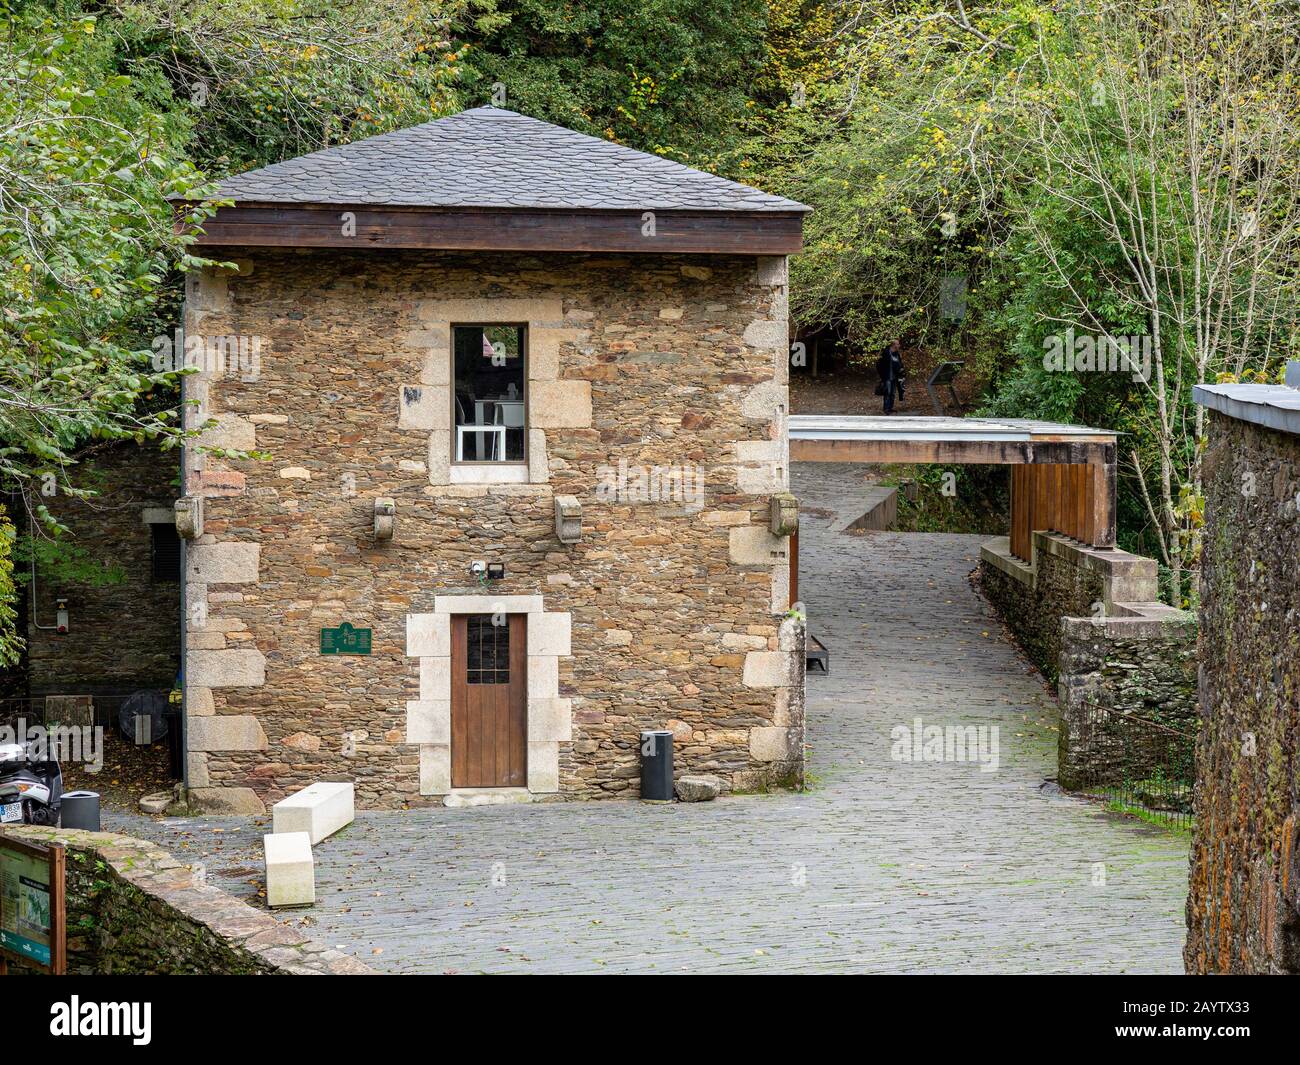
(489, 402)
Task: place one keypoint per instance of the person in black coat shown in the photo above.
(890, 368)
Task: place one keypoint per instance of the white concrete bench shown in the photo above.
(290, 871)
(319, 810)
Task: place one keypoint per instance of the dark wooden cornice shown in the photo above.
(496, 229)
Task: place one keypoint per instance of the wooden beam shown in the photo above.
(484, 229)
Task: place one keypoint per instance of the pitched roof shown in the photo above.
(488, 157)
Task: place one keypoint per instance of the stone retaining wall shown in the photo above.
(1142, 666)
(133, 908)
(1088, 619)
(1243, 905)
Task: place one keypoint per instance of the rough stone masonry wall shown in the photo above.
(134, 909)
(126, 635)
(1087, 618)
(1243, 906)
(1034, 598)
(663, 615)
(1114, 668)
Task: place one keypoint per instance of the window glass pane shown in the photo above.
(489, 393)
(487, 650)
(166, 549)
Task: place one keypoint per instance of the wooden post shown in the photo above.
(58, 911)
(1102, 475)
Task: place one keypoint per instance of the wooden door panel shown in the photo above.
(489, 702)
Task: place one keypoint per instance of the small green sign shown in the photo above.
(345, 640)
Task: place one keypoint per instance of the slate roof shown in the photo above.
(489, 157)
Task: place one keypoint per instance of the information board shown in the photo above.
(32, 919)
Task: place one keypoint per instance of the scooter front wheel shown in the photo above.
(39, 814)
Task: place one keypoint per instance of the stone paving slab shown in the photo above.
(883, 866)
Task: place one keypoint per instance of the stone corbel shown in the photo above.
(783, 514)
(385, 518)
(568, 519)
(189, 517)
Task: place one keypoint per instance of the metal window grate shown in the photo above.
(487, 652)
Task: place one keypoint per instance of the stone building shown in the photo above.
(1243, 905)
(524, 396)
(123, 629)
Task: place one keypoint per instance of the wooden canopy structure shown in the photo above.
(1062, 477)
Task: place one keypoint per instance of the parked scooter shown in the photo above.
(31, 784)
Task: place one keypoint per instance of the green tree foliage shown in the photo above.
(109, 115)
(666, 76)
(11, 642)
(259, 82)
(989, 178)
(86, 240)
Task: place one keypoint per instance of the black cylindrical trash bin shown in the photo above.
(657, 766)
(80, 809)
(175, 758)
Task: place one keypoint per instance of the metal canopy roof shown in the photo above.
(977, 441)
(937, 430)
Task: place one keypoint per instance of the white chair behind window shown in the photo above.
(509, 412)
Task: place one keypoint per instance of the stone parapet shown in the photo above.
(134, 909)
(1088, 619)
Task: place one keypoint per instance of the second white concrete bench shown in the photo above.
(290, 871)
(320, 810)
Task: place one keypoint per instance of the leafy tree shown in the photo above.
(110, 114)
(666, 76)
(260, 82)
(893, 151)
(989, 178)
(86, 239)
(1163, 205)
(11, 643)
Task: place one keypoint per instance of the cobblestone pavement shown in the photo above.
(883, 866)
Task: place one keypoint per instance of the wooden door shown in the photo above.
(489, 701)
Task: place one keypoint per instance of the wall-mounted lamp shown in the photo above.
(487, 571)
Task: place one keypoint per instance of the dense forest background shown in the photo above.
(987, 178)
